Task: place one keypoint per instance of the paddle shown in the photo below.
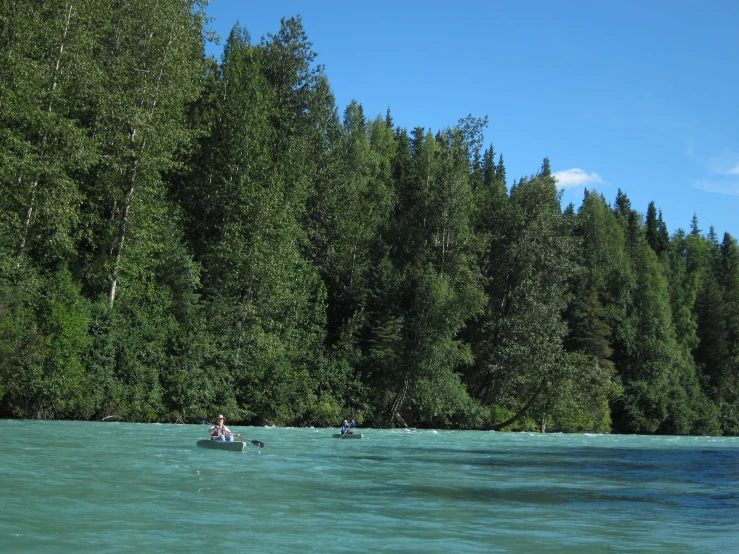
(343, 435)
(258, 444)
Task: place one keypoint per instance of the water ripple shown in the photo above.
(117, 487)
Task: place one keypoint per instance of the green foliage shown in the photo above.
(43, 335)
(729, 418)
(443, 401)
(181, 236)
(326, 412)
(520, 424)
(46, 56)
(518, 342)
(434, 278)
(578, 399)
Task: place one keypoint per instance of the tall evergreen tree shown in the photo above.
(652, 229)
(519, 343)
(433, 251)
(249, 194)
(663, 237)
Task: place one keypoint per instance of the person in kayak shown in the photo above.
(346, 427)
(220, 432)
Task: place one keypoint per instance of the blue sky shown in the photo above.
(637, 95)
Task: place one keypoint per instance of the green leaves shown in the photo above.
(180, 236)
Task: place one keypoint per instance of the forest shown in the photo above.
(181, 236)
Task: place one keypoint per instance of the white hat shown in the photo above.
(220, 417)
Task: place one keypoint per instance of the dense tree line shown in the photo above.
(180, 236)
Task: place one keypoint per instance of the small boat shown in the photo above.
(348, 436)
(238, 446)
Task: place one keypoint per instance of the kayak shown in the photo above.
(348, 436)
(223, 445)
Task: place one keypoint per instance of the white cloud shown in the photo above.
(722, 172)
(726, 163)
(576, 177)
(730, 188)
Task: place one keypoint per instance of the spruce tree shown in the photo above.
(652, 229)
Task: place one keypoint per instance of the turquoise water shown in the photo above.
(121, 487)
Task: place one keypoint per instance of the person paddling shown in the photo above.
(220, 432)
(346, 427)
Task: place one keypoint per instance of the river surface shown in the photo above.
(123, 487)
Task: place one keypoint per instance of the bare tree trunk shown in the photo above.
(399, 399)
(34, 186)
(118, 251)
(400, 420)
(127, 199)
